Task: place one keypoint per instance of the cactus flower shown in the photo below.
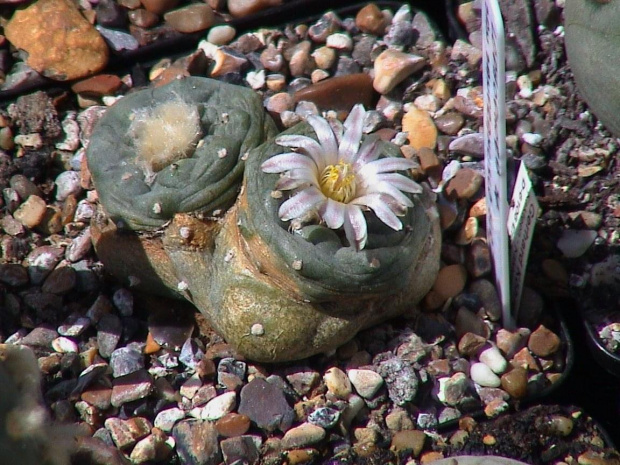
(340, 177)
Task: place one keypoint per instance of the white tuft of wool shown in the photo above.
(164, 134)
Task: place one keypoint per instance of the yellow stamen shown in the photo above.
(338, 182)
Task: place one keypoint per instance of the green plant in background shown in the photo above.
(592, 46)
(303, 259)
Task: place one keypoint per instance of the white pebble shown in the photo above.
(481, 374)
(366, 382)
(166, 419)
(219, 406)
(339, 41)
(532, 138)
(67, 183)
(494, 359)
(64, 345)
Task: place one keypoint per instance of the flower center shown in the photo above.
(338, 182)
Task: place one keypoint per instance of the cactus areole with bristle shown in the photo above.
(176, 148)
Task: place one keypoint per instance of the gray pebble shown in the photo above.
(126, 360)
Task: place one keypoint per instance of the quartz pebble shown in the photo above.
(492, 357)
(483, 375)
(392, 67)
(366, 382)
(337, 382)
(31, 212)
(219, 406)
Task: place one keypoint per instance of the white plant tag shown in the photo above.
(494, 85)
(521, 222)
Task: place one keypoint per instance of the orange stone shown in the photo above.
(233, 424)
(60, 42)
(422, 132)
(370, 19)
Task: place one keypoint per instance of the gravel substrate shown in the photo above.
(145, 379)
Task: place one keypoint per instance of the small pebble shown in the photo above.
(166, 419)
(409, 440)
(337, 382)
(219, 406)
(514, 382)
(32, 212)
(492, 357)
(544, 342)
(303, 435)
(392, 67)
(575, 242)
(64, 345)
(484, 376)
(420, 128)
(233, 424)
(221, 34)
(366, 382)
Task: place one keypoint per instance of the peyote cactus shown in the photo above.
(591, 45)
(277, 291)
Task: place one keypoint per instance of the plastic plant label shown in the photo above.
(494, 84)
(521, 222)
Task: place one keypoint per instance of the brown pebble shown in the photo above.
(232, 424)
(159, 6)
(524, 359)
(479, 208)
(300, 456)
(450, 281)
(60, 42)
(192, 18)
(430, 163)
(489, 440)
(515, 382)
(421, 129)
(143, 18)
(339, 93)
(467, 232)
(412, 440)
(478, 258)
(450, 123)
(470, 343)
(370, 20)
(543, 342)
(447, 214)
(464, 184)
(98, 86)
(555, 271)
(467, 321)
(32, 212)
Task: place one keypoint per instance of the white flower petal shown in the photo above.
(326, 138)
(369, 151)
(401, 182)
(350, 143)
(288, 161)
(389, 189)
(355, 226)
(383, 211)
(301, 203)
(308, 145)
(287, 183)
(389, 164)
(332, 213)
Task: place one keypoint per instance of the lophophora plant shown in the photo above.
(327, 234)
(592, 47)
